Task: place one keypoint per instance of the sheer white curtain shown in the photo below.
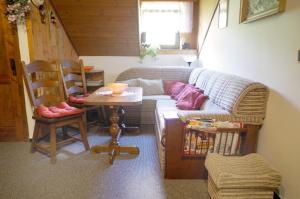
(162, 20)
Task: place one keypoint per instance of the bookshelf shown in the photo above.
(94, 80)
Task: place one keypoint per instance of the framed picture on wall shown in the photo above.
(223, 13)
(252, 10)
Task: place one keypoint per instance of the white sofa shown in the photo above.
(231, 98)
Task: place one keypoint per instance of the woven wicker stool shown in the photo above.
(241, 177)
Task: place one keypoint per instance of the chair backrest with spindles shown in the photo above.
(73, 77)
(43, 82)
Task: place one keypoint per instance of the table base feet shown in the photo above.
(114, 150)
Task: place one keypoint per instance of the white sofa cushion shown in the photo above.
(194, 75)
(151, 86)
(208, 109)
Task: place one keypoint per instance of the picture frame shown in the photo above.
(223, 14)
(252, 10)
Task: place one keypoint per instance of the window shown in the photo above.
(167, 24)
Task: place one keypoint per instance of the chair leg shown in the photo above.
(84, 119)
(53, 144)
(35, 136)
(83, 134)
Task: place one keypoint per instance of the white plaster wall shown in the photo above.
(266, 51)
(114, 65)
(24, 52)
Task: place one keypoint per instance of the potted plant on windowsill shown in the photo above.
(148, 50)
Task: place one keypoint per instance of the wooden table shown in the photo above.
(132, 96)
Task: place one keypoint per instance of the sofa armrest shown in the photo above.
(177, 167)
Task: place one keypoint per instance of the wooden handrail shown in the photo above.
(210, 22)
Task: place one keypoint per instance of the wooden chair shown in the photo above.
(75, 84)
(44, 85)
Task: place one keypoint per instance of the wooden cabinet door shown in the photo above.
(13, 123)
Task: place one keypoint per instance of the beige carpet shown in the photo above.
(80, 174)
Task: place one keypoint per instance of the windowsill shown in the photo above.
(178, 51)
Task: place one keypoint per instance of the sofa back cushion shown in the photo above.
(195, 74)
(151, 86)
(179, 73)
(235, 94)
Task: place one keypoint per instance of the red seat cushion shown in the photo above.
(177, 88)
(60, 110)
(79, 99)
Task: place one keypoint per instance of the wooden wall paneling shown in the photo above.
(48, 41)
(13, 122)
(107, 27)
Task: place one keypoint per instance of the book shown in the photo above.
(94, 83)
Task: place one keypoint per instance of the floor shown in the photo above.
(80, 174)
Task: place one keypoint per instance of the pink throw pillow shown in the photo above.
(184, 105)
(199, 101)
(187, 89)
(192, 100)
(168, 84)
(177, 88)
(187, 101)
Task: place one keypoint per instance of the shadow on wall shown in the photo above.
(283, 128)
